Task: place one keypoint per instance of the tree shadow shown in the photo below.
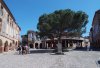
(85, 49)
(37, 51)
(57, 53)
(45, 51)
(80, 49)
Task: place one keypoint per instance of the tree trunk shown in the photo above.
(59, 46)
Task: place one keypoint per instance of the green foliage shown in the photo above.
(63, 21)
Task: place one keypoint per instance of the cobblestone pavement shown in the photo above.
(71, 59)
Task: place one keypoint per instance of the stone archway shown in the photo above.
(1, 48)
(6, 46)
(10, 46)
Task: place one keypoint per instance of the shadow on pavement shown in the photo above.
(38, 51)
(44, 51)
(85, 49)
(80, 49)
(41, 51)
(99, 62)
(57, 54)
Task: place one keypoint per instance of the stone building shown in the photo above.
(95, 30)
(9, 29)
(68, 42)
(32, 39)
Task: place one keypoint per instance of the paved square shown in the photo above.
(71, 59)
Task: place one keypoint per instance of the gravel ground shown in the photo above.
(71, 59)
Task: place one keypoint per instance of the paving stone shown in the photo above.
(71, 59)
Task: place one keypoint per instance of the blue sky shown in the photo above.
(27, 12)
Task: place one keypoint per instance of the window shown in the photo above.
(8, 18)
(0, 24)
(1, 11)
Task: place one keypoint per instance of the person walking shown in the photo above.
(23, 50)
(19, 49)
(26, 49)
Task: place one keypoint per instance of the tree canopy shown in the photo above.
(60, 21)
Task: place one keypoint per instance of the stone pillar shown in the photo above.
(1, 49)
(52, 45)
(34, 46)
(47, 45)
(68, 45)
(13, 47)
(38, 45)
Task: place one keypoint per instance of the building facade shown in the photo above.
(31, 39)
(9, 29)
(95, 30)
(67, 42)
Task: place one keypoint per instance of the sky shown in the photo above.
(27, 12)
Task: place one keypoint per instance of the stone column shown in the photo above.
(68, 45)
(47, 45)
(34, 45)
(52, 45)
(13, 46)
(38, 45)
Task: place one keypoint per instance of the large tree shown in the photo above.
(60, 21)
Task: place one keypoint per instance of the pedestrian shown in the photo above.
(19, 49)
(23, 49)
(26, 49)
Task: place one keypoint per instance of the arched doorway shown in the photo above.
(16, 43)
(0, 42)
(31, 46)
(36, 45)
(6, 46)
(13, 42)
(0, 24)
(1, 48)
(40, 45)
